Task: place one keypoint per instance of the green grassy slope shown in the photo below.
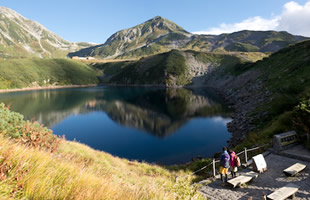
(151, 70)
(173, 68)
(286, 78)
(33, 72)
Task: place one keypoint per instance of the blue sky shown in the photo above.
(96, 20)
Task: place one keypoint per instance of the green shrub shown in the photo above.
(302, 116)
(29, 133)
(10, 122)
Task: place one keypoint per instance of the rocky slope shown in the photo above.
(174, 68)
(21, 37)
(265, 95)
(159, 35)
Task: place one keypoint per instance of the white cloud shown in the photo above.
(294, 18)
(221, 120)
(253, 23)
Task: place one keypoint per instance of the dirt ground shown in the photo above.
(265, 183)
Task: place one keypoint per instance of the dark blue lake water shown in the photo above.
(159, 125)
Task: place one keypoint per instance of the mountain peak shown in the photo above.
(2, 8)
(157, 18)
(9, 12)
(146, 35)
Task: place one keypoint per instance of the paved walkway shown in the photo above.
(266, 183)
(298, 152)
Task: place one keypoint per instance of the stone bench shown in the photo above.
(284, 192)
(294, 169)
(242, 179)
(283, 140)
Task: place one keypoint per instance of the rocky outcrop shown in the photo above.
(244, 93)
(197, 69)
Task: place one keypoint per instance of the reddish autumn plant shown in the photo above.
(36, 135)
(29, 133)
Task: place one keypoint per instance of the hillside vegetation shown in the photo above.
(286, 75)
(174, 68)
(34, 72)
(270, 96)
(34, 164)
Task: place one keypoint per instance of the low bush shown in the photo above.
(29, 133)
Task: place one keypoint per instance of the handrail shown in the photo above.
(258, 147)
(216, 161)
(240, 153)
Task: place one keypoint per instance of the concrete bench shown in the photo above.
(294, 169)
(283, 140)
(242, 179)
(284, 192)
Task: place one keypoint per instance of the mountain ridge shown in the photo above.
(159, 35)
(22, 37)
(136, 37)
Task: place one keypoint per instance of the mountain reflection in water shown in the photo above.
(156, 111)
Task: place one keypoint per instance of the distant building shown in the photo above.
(82, 58)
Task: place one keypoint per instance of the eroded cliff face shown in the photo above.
(245, 93)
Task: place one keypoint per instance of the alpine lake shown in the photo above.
(155, 125)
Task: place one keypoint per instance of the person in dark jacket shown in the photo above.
(224, 165)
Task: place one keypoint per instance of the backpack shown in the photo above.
(237, 161)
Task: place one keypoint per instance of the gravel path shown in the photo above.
(266, 183)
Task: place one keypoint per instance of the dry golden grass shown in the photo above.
(76, 171)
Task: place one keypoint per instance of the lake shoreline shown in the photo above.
(46, 88)
(153, 85)
(98, 85)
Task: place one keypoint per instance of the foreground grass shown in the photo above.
(79, 172)
(75, 171)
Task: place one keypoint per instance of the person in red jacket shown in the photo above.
(233, 164)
